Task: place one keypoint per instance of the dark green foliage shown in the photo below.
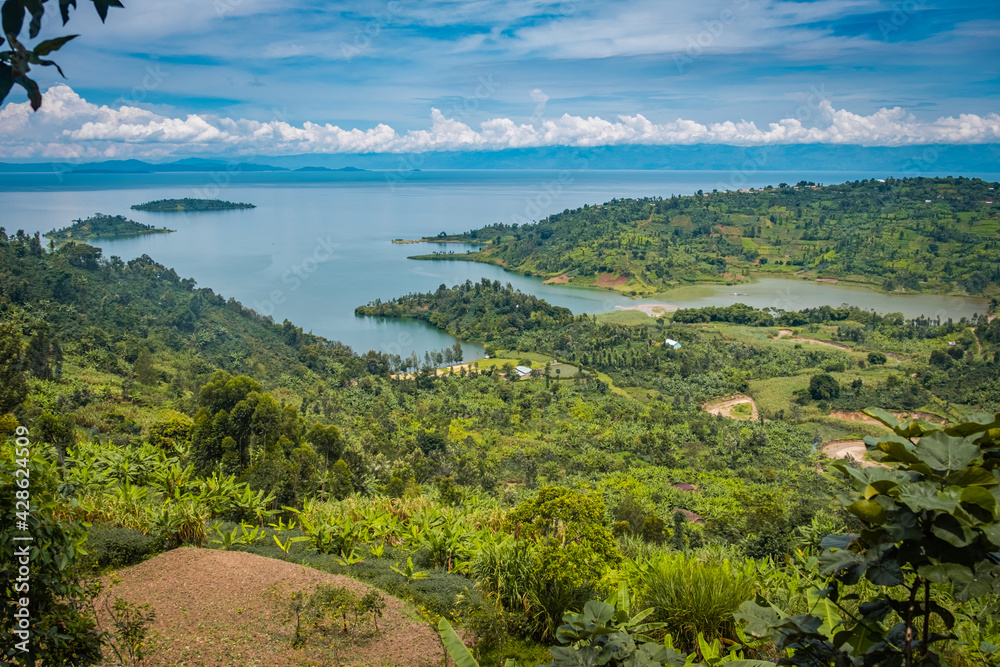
(187, 204)
(114, 546)
(13, 386)
(823, 387)
(485, 310)
(102, 226)
(876, 358)
(16, 63)
(63, 627)
(930, 522)
(144, 371)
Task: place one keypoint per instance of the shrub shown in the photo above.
(876, 358)
(694, 597)
(823, 386)
(113, 546)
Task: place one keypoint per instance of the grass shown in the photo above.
(629, 318)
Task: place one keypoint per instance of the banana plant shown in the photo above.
(228, 540)
(377, 551)
(457, 649)
(287, 546)
(410, 572)
(348, 559)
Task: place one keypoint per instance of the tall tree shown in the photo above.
(13, 386)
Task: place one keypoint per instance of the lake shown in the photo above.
(319, 243)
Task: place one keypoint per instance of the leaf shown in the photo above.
(945, 573)
(826, 610)
(34, 95)
(456, 649)
(64, 6)
(975, 423)
(102, 7)
(945, 452)
(37, 11)
(845, 565)
(50, 45)
(951, 530)
(868, 510)
(6, 80)
(883, 569)
(897, 451)
(838, 541)
(13, 17)
(883, 416)
(759, 620)
(875, 611)
(972, 476)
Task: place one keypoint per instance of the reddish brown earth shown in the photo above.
(227, 608)
(609, 280)
(557, 280)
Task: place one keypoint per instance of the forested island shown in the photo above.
(912, 234)
(187, 204)
(102, 226)
(619, 474)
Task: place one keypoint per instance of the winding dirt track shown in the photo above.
(724, 406)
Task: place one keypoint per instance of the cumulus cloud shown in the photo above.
(67, 126)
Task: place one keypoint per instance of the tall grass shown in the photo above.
(695, 596)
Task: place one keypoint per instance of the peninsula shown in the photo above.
(102, 226)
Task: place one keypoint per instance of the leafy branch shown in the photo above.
(16, 62)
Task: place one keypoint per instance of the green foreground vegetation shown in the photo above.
(594, 516)
(911, 234)
(102, 226)
(188, 204)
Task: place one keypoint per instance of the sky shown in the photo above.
(162, 80)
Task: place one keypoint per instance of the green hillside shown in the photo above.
(913, 234)
(102, 226)
(188, 204)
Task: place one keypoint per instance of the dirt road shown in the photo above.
(724, 406)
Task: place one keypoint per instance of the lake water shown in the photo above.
(319, 243)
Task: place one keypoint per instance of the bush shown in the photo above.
(823, 387)
(694, 597)
(113, 546)
(876, 358)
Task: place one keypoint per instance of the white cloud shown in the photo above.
(67, 126)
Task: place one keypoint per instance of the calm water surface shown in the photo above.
(318, 244)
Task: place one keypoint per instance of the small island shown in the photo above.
(179, 205)
(102, 226)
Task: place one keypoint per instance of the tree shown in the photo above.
(16, 63)
(144, 371)
(876, 358)
(823, 387)
(931, 524)
(64, 631)
(327, 441)
(13, 385)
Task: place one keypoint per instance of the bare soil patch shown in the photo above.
(783, 333)
(228, 608)
(903, 416)
(609, 280)
(839, 346)
(725, 406)
(849, 449)
(557, 280)
(827, 280)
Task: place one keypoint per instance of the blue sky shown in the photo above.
(359, 65)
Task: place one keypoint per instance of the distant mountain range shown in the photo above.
(934, 159)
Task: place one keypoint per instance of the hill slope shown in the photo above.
(917, 234)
